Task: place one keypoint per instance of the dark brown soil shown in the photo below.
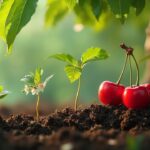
(94, 128)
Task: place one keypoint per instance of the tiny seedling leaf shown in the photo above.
(47, 79)
(28, 79)
(93, 54)
(73, 73)
(65, 58)
(3, 94)
(1, 88)
(37, 76)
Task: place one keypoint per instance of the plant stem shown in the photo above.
(137, 69)
(122, 72)
(130, 71)
(37, 107)
(77, 95)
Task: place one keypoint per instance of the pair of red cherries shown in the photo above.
(134, 97)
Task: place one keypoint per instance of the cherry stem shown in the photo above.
(130, 71)
(37, 107)
(77, 95)
(137, 69)
(122, 72)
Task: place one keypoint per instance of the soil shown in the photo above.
(96, 127)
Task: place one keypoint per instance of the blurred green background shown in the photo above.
(35, 43)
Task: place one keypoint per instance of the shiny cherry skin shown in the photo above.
(110, 93)
(147, 85)
(136, 97)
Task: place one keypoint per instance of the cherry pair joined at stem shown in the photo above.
(135, 97)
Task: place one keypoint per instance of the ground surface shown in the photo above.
(94, 128)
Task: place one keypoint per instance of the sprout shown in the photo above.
(34, 85)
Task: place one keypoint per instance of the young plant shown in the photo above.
(3, 92)
(75, 67)
(34, 85)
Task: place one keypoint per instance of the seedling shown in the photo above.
(75, 67)
(34, 85)
(3, 92)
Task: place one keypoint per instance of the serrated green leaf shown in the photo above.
(71, 3)
(73, 73)
(4, 11)
(97, 7)
(93, 54)
(120, 8)
(19, 15)
(65, 58)
(138, 5)
(3, 94)
(56, 10)
(37, 76)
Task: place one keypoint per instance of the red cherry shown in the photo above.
(110, 93)
(136, 97)
(147, 85)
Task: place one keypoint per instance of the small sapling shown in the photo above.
(34, 85)
(75, 67)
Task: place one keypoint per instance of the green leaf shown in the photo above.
(65, 58)
(138, 5)
(28, 79)
(97, 7)
(1, 88)
(71, 3)
(84, 13)
(38, 75)
(19, 15)
(4, 11)
(73, 73)
(3, 94)
(93, 54)
(120, 8)
(56, 10)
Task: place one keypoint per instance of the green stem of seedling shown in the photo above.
(137, 69)
(37, 107)
(130, 71)
(77, 95)
(122, 72)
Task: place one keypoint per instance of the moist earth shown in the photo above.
(96, 127)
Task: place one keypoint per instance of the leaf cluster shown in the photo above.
(74, 67)
(33, 82)
(15, 14)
